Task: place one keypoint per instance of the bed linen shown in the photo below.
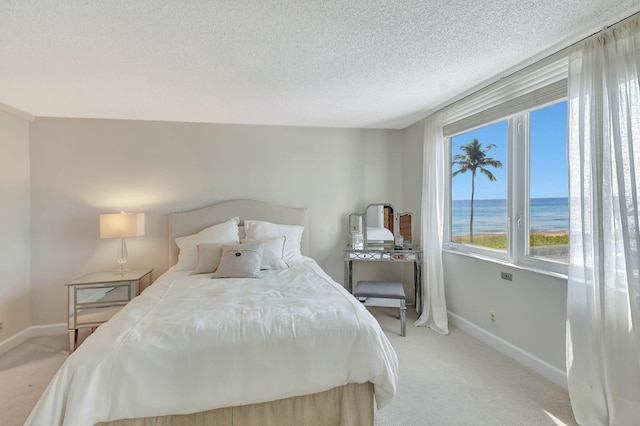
(348, 405)
(190, 343)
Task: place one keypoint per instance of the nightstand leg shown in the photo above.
(73, 340)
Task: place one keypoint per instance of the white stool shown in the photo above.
(383, 293)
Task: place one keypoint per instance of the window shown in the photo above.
(509, 181)
(548, 184)
(479, 187)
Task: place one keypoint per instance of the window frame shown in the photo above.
(518, 192)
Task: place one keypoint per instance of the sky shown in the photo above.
(548, 156)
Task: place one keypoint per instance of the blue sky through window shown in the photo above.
(484, 189)
(548, 152)
(548, 178)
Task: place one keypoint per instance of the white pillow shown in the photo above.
(208, 258)
(240, 261)
(222, 233)
(257, 229)
(273, 252)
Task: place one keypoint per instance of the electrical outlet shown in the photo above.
(1, 324)
(492, 317)
(506, 276)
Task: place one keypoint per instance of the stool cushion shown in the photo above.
(380, 289)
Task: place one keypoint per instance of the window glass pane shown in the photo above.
(479, 187)
(548, 184)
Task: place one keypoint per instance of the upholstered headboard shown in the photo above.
(186, 223)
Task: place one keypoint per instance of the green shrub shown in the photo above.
(499, 241)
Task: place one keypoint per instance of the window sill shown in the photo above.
(506, 263)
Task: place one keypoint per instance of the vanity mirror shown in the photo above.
(380, 227)
(406, 231)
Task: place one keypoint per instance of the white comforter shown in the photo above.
(192, 343)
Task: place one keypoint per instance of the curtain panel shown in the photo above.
(434, 306)
(603, 300)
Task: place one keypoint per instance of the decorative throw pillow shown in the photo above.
(256, 229)
(273, 252)
(240, 261)
(208, 258)
(222, 233)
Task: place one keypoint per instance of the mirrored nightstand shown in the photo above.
(96, 297)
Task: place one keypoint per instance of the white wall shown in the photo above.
(15, 302)
(81, 168)
(530, 310)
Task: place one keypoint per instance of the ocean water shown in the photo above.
(490, 216)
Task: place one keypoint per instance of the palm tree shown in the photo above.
(474, 158)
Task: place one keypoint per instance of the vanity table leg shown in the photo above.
(348, 275)
(417, 280)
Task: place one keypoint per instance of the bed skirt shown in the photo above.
(351, 404)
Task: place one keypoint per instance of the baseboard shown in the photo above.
(34, 331)
(530, 361)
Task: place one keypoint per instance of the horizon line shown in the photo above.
(500, 199)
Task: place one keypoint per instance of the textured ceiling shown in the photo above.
(376, 63)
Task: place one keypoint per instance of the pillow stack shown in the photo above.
(219, 250)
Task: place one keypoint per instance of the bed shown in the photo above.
(230, 344)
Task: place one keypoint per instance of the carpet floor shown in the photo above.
(458, 380)
(444, 380)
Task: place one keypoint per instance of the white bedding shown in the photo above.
(190, 343)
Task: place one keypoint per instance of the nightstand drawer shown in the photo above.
(86, 295)
(93, 317)
(93, 304)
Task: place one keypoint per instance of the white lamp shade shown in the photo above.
(121, 225)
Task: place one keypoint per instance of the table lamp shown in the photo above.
(121, 225)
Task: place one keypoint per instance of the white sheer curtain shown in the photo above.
(603, 301)
(434, 306)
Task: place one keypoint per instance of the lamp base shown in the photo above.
(122, 258)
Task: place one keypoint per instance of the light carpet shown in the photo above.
(25, 372)
(458, 380)
(444, 380)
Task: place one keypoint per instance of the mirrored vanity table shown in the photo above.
(380, 234)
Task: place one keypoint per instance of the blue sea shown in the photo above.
(490, 216)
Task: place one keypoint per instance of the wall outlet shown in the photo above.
(1, 324)
(492, 317)
(506, 276)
